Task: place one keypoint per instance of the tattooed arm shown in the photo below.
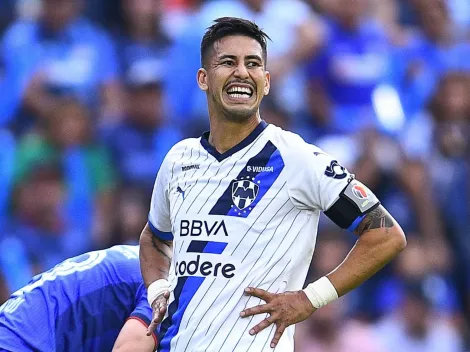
(155, 256)
(380, 240)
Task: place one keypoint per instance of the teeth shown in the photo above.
(239, 96)
(242, 90)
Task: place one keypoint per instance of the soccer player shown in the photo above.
(234, 216)
(81, 305)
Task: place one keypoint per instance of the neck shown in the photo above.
(225, 134)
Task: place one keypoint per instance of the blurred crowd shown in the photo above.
(93, 93)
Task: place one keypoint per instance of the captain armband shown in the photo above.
(354, 203)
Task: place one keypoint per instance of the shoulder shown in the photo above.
(123, 259)
(120, 254)
(180, 147)
(178, 150)
(290, 144)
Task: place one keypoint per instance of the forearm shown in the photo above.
(377, 245)
(155, 256)
(133, 337)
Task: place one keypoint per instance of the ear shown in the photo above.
(267, 83)
(202, 79)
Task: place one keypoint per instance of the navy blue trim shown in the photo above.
(165, 236)
(141, 317)
(356, 223)
(172, 308)
(244, 143)
(225, 203)
(197, 246)
(206, 247)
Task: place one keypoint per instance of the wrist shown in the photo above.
(156, 288)
(321, 292)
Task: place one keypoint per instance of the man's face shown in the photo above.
(350, 11)
(58, 13)
(235, 79)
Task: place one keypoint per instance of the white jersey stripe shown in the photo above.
(264, 229)
(183, 175)
(190, 190)
(251, 318)
(262, 212)
(173, 167)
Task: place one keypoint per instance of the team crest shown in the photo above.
(244, 193)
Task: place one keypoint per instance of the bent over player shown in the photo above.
(81, 305)
(234, 216)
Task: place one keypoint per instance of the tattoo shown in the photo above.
(156, 244)
(376, 219)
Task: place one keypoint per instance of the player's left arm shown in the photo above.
(351, 205)
(133, 337)
(380, 240)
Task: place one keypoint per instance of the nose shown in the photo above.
(241, 71)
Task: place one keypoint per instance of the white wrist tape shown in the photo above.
(321, 292)
(156, 288)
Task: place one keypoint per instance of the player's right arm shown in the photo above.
(156, 248)
(155, 261)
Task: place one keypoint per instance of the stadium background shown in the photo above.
(88, 112)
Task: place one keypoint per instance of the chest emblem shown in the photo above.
(244, 193)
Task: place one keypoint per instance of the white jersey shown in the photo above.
(247, 217)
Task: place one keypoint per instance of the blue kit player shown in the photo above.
(92, 302)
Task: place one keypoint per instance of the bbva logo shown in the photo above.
(202, 228)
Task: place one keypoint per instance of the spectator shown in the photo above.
(330, 330)
(430, 53)
(141, 142)
(353, 62)
(416, 265)
(141, 36)
(38, 216)
(60, 53)
(131, 210)
(67, 140)
(414, 326)
(437, 140)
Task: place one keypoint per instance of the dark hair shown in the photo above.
(227, 26)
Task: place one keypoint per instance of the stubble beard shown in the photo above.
(234, 114)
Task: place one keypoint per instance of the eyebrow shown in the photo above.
(233, 57)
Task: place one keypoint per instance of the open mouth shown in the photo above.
(237, 92)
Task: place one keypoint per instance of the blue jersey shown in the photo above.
(79, 305)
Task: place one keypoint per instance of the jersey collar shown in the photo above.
(247, 141)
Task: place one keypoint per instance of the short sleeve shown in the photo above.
(159, 215)
(321, 180)
(142, 310)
